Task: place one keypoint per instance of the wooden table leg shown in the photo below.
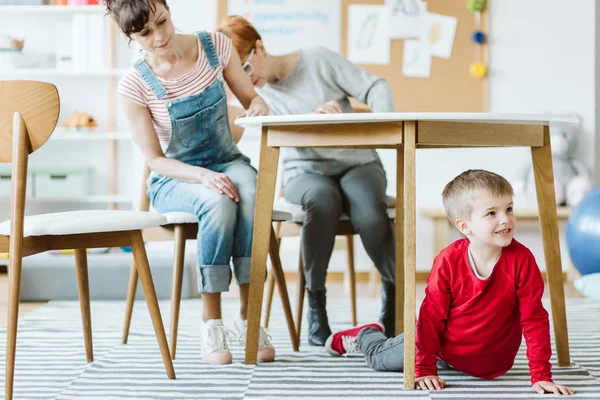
(544, 185)
(410, 248)
(399, 240)
(265, 191)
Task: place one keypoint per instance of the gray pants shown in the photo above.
(360, 192)
(383, 354)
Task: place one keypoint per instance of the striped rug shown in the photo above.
(51, 361)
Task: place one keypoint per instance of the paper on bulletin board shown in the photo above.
(286, 25)
(439, 33)
(407, 18)
(368, 34)
(416, 59)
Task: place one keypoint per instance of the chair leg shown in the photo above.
(179, 243)
(83, 287)
(141, 262)
(270, 289)
(277, 272)
(373, 278)
(14, 291)
(544, 185)
(351, 275)
(300, 291)
(133, 280)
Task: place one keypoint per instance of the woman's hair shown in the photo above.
(132, 15)
(241, 32)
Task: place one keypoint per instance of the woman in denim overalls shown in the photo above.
(201, 170)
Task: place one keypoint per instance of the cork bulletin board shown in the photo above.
(450, 87)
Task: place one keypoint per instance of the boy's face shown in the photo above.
(492, 221)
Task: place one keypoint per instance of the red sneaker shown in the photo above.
(345, 342)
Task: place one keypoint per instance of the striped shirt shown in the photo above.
(133, 87)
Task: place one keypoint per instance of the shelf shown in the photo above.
(87, 199)
(50, 72)
(51, 9)
(62, 134)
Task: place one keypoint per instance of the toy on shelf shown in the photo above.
(80, 121)
(15, 43)
(478, 69)
(572, 180)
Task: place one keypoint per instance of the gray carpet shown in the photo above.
(51, 360)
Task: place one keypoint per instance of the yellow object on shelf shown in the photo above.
(478, 70)
(3, 255)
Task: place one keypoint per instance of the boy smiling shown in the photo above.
(483, 294)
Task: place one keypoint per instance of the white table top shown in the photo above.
(490, 118)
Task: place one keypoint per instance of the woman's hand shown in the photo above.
(542, 387)
(430, 383)
(331, 107)
(257, 108)
(220, 183)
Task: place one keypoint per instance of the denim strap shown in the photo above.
(151, 80)
(209, 49)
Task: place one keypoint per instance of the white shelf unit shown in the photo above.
(108, 75)
(67, 134)
(52, 9)
(52, 72)
(98, 199)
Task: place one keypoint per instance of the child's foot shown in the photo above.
(213, 342)
(266, 351)
(346, 342)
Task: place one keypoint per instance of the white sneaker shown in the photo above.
(213, 342)
(266, 351)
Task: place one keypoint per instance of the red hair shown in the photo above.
(241, 32)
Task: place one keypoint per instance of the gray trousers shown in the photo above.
(383, 354)
(360, 192)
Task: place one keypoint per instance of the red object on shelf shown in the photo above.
(92, 2)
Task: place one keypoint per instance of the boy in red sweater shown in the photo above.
(483, 293)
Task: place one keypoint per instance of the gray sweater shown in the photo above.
(322, 75)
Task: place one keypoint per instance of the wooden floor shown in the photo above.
(334, 289)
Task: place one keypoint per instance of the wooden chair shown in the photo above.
(293, 228)
(34, 108)
(180, 227)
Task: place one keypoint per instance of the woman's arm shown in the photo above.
(241, 86)
(356, 81)
(145, 137)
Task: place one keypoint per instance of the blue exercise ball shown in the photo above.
(583, 234)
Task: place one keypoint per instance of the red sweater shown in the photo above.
(476, 325)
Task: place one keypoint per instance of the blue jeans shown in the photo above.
(224, 226)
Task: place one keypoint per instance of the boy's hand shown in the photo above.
(430, 383)
(542, 387)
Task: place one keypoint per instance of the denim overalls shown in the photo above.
(200, 136)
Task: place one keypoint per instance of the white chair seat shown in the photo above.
(180, 217)
(90, 221)
(298, 214)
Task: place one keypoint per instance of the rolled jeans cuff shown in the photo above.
(214, 278)
(241, 269)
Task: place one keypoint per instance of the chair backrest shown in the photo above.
(39, 106)
(33, 108)
(236, 132)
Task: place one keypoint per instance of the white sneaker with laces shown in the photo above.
(266, 351)
(214, 338)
